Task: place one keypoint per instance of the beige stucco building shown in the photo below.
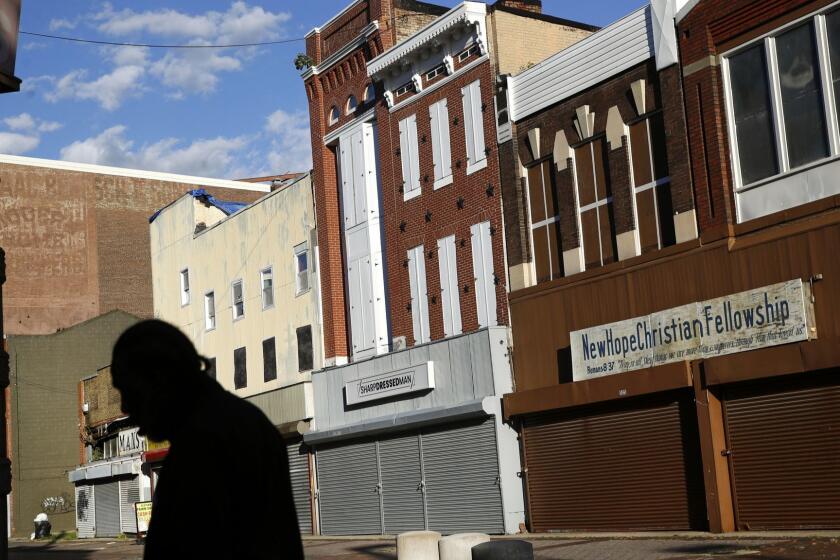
(241, 282)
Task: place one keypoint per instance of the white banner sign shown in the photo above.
(383, 386)
(130, 442)
(777, 314)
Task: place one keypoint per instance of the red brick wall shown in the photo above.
(77, 243)
(712, 27)
(446, 218)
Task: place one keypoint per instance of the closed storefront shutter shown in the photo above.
(107, 508)
(299, 477)
(85, 512)
(402, 491)
(129, 495)
(461, 471)
(348, 489)
(627, 466)
(784, 438)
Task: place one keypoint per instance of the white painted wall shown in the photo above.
(239, 247)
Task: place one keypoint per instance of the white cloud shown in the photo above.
(60, 23)
(16, 144)
(27, 123)
(212, 157)
(33, 45)
(290, 144)
(109, 90)
(240, 23)
(194, 71)
(128, 56)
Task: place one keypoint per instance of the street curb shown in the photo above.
(679, 535)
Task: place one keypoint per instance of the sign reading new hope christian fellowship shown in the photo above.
(777, 314)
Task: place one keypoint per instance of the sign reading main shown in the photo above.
(777, 314)
(383, 386)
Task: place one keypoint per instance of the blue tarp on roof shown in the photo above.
(225, 206)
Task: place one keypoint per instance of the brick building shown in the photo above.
(412, 264)
(673, 233)
(77, 238)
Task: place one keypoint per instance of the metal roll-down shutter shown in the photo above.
(461, 469)
(348, 489)
(633, 465)
(107, 506)
(85, 511)
(129, 495)
(784, 439)
(299, 478)
(402, 488)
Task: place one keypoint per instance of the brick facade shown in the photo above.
(709, 29)
(663, 93)
(77, 243)
(478, 193)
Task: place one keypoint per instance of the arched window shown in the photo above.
(370, 93)
(351, 105)
(334, 114)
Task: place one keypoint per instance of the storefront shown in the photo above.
(701, 392)
(106, 492)
(415, 440)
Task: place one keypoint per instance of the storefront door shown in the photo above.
(402, 484)
(349, 492)
(784, 452)
(107, 506)
(85, 511)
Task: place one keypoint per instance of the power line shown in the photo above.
(160, 46)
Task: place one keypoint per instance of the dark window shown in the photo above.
(240, 373)
(545, 221)
(753, 115)
(304, 342)
(832, 23)
(211, 367)
(269, 360)
(596, 208)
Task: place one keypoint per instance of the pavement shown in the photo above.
(818, 546)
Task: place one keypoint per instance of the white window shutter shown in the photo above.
(469, 135)
(347, 195)
(355, 293)
(439, 114)
(485, 288)
(409, 155)
(415, 152)
(434, 120)
(449, 296)
(359, 179)
(405, 156)
(477, 122)
(419, 297)
(368, 313)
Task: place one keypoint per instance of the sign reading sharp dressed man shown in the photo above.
(777, 314)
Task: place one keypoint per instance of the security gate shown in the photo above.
(107, 505)
(445, 479)
(784, 451)
(85, 512)
(299, 478)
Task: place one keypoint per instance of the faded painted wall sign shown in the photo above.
(769, 316)
(410, 380)
(130, 442)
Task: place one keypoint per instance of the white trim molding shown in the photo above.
(136, 173)
(467, 13)
(338, 55)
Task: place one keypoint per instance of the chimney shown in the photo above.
(534, 6)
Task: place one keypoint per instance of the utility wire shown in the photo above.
(159, 46)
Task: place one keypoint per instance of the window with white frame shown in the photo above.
(651, 183)
(595, 204)
(351, 104)
(185, 287)
(301, 268)
(267, 287)
(238, 299)
(435, 72)
(545, 222)
(403, 89)
(449, 295)
(474, 127)
(419, 296)
(210, 311)
(410, 156)
(782, 94)
(334, 115)
(441, 148)
(370, 93)
(472, 50)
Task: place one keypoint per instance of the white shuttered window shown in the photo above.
(485, 286)
(441, 150)
(410, 156)
(449, 298)
(419, 299)
(474, 127)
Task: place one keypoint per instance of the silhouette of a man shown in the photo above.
(224, 488)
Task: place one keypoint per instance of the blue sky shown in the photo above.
(212, 112)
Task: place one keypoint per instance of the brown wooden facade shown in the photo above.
(745, 441)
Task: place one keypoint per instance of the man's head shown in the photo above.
(156, 369)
